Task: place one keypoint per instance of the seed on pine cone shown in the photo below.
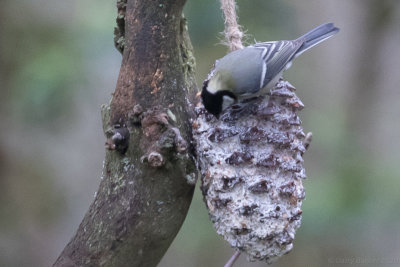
(252, 169)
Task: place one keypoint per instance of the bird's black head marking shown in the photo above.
(213, 102)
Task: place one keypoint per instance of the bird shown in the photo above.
(251, 71)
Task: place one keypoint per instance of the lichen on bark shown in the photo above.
(119, 30)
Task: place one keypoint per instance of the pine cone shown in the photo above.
(252, 169)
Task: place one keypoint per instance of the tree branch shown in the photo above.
(233, 259)
(149, 172)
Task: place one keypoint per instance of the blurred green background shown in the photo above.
(58, 65)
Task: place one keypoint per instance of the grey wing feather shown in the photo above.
(276, 56)
(243, 68)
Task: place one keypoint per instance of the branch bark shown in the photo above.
(149, 172)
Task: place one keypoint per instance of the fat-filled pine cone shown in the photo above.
(252, 170)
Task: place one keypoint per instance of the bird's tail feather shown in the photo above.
(317, 35)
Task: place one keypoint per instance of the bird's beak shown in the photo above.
(198, 94)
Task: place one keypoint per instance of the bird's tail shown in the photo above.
(317, 35)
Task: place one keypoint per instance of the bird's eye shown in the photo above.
(236, 106)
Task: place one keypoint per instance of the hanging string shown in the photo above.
(233, 33)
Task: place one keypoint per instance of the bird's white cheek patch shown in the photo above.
(214, 84)
(227, 101)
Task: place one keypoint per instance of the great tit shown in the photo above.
(255, 69)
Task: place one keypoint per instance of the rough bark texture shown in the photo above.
(252, 171)
(149, 173)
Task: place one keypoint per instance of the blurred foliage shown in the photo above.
(38, 67)
(58, 64)
(42, 88)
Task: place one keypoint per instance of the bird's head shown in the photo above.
(216, 100)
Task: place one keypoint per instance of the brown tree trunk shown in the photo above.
(149, 172)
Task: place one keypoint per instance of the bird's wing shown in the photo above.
(239, 71)
(276, 56)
